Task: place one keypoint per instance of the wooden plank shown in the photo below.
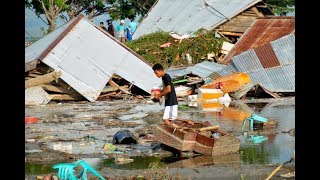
(58, 89)
(254, 9)
(109, 89)
(42, 79)
(36, 96)
(113, 84)
(65, 97)
(231, 33)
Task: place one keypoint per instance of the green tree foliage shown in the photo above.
(281, 6)
(148, 46)
(130, 8)
(50, 8)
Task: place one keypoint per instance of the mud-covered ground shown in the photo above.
(67, 132)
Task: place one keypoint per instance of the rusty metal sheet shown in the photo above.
(36, 96)
(262, 31)
(266, 56)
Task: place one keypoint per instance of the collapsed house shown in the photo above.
(230, 18)
(266, 51)
(85, 57)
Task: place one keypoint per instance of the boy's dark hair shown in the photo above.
(157, 67)
(101, 23)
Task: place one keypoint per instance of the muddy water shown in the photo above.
(68, 125)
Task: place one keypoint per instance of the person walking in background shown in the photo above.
(133, 25)
(128, 33)
(171, 101)
(102, 26)
(110, 27)
(120, 32)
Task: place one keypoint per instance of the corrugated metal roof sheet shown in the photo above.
(247, 61)
(205, 68)
(188, 16)
(177, 71)
(88, 57)
(33, 51)
(227, 70)
(266, 56)
(284, 49)
(262, 31)
(276, 79)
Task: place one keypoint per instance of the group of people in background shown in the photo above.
(121, 32)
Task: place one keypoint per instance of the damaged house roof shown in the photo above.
(87, 57)
(262, 31)
(203, 69)
(188, 16)
(271, 65)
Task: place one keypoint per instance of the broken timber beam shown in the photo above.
(42, 79)
(58, 89)
(65, 97)
(113, 84)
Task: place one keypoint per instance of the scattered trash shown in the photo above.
(288, 175)
(166, 44)
(30, 120)
(108, 147)
(124, 137)
(122, 160)
(63, 148)
(182, 91)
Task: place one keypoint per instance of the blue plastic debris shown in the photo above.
(65, 171)
(251, 120)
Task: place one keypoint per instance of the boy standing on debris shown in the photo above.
(171, 102)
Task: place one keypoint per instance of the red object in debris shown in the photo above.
(155, 90)
(30, 119)
(166, 44)
(219, 85)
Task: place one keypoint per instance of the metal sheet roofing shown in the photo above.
(33, 51)
(188, 16)
(205, 68)
(177, 71)
(262, 31)
(279, 78)
(247, 61)
(284, 49)
(88, 57)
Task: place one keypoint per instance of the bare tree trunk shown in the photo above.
(52, 25)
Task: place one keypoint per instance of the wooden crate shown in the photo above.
(182, 140)
(225, 144)
(178, 139)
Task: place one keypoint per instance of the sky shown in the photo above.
(33, 24)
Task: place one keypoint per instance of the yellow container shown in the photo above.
(206, 94)
(229, 83)
(211, 106)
